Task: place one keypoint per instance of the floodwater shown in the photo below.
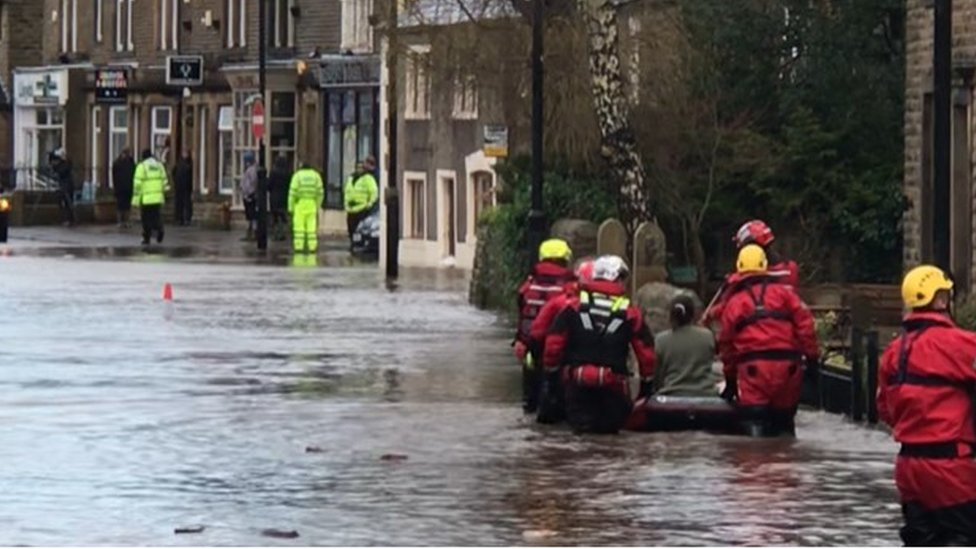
(124, 418)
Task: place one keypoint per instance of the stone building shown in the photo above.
(919, 118)
(20, 25)
(173, 75)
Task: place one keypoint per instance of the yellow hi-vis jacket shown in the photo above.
(305, 185)
(149, 183)
(360, 193)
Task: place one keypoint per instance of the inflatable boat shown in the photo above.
(684, 413)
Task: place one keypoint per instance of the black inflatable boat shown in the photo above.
(680, 413)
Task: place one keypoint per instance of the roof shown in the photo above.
(452, 12)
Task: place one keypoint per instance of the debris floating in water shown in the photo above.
(537, 535)
(393, 457)
(275, 533)
(194, 529)
(313, 450)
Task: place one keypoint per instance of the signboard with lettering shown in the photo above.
(111, 86)
(340, 71)
(184, 70)
(496, 141)
(41, 88)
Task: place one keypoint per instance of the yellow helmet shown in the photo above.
(920, 285)
(555, 249)
(752, 259)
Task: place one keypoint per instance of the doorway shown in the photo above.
(449, 232)
(961, 193)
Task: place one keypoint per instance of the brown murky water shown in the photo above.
(120, 425)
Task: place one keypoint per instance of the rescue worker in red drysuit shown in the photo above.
(926, 383)
(548, 279)
(551, 408)
(766, 333)
(590, 341)
(785, 271)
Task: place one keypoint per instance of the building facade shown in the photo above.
(20, 25)
(918, 183)
(173, 75)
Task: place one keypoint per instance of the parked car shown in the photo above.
(366, 238)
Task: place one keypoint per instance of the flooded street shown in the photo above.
(123, 420)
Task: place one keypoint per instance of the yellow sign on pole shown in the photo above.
(496, 141)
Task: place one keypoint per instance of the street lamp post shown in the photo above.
(942, 154)
(262, 213)
(392, 195)
(537, 217)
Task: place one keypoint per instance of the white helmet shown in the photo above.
(610, 267)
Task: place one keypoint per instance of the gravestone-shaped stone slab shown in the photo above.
(579, 233)
(650, 256)
(612, 239)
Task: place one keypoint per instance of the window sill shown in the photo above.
(416, 116)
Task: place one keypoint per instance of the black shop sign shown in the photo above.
(111, 85)
(184, 70)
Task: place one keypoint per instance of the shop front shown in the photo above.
(350, 87)
(40, 105)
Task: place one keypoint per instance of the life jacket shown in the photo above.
(761, 314)
(600, 332)
(937, 450)
(539, 289)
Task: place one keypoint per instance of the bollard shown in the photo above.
(4, 218)
(857, 377)
(872, 356)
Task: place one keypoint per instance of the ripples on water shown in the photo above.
(120, 426)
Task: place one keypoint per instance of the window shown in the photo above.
(169, 24)
(123, 25)
(162, 129)
(418, 83)
(244, 141)
(465, 97)
(483, 194)
(281, 23)
(118, 131)
(235, 15)
(98, 21)
(356, 31)
(69, 25)
(283, 126)
(415, 221)
(225, 142)
(49, 127)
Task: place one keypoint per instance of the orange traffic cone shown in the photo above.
(167, 292)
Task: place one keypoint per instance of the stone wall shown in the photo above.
(919, 34)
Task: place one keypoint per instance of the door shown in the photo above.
(450, 217)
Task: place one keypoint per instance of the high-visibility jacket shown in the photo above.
(306, 184)
(149, 183)
(361, 193)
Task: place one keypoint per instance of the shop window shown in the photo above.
(350, 138)
(244, 141)
(162, 130)
(169, 24)
(225, 142)
(235, 17)
(283, 126)
(96, 144)
(118, 129)
(465, 97)
(416, 208)
(357, 33)
(418, 83)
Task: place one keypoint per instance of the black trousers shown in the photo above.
(184, 205)
(947, 527)
(152, 221)
(66, 200)
(353, 220)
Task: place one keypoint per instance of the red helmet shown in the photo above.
(584, 271)
(753, 232)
